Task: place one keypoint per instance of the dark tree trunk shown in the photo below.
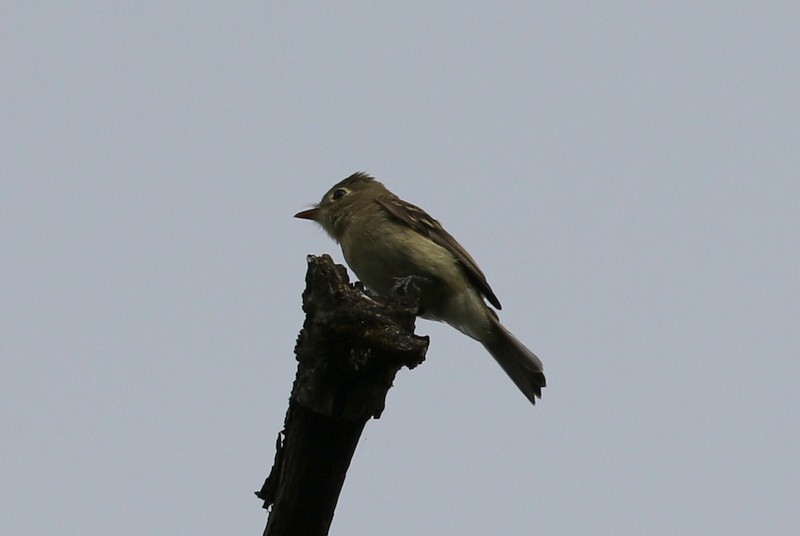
(349, 350)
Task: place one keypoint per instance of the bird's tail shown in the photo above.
(521, 365)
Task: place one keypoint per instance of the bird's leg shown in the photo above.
(410, 286)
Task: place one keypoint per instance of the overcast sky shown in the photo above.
(627, 174)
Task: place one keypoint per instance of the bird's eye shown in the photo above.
(338, 193)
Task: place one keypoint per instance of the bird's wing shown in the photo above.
(420, 221)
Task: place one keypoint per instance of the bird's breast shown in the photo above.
(380, 254)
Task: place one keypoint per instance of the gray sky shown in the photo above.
(627, 174)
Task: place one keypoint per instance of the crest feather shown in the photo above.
(356, 178)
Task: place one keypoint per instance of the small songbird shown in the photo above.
(385, 239)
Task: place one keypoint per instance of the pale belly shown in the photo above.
(445, 293)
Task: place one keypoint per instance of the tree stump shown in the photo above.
(350, 348)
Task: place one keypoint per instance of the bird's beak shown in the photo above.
(310, 214)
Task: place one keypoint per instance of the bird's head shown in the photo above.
(342, 201)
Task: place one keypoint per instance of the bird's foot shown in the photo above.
(409, 288)
(410, 284)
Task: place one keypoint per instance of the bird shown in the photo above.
(385, 239)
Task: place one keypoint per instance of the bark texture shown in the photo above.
(350, 348)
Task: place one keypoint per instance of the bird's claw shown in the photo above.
(410, 284)
(408, 289)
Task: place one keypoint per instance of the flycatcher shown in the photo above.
(384, 238)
